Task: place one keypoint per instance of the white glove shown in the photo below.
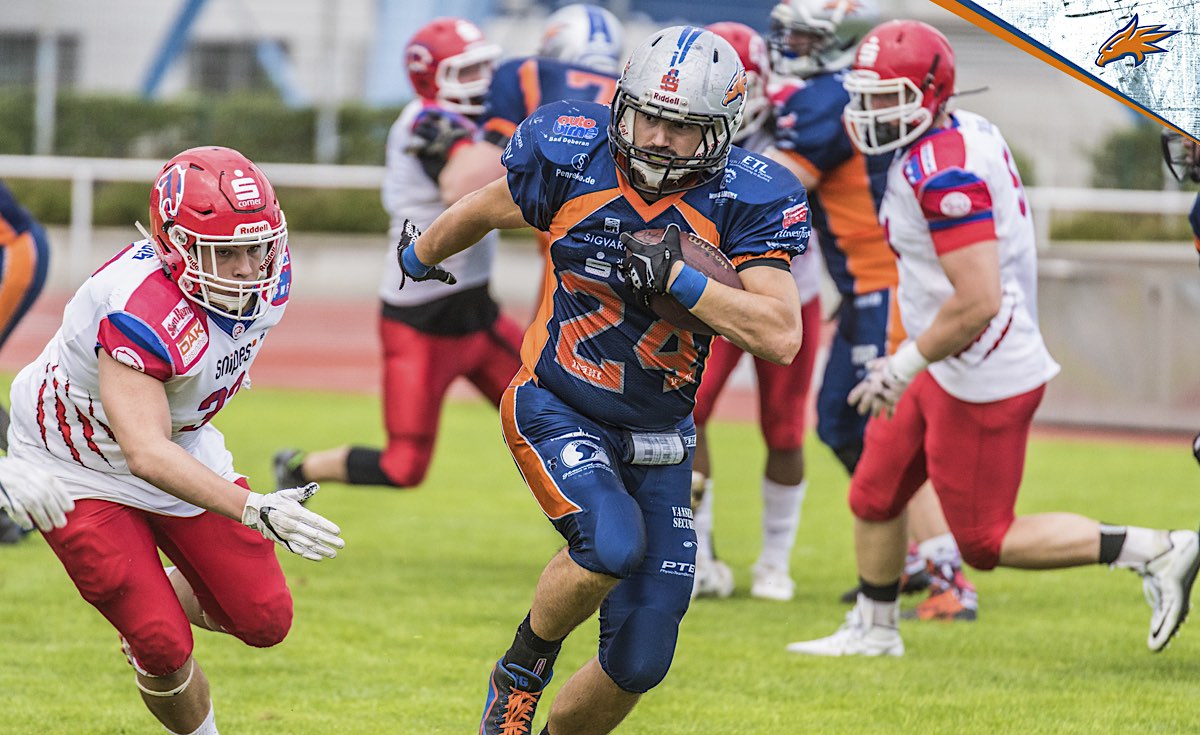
(32, 496)
(886, 379)
(280, 517)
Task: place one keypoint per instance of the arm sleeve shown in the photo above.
(958, 207)
(531, 177)
(132, 342)
(772, 233)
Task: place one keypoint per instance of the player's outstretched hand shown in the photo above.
(32, 496)
(411, 266)
(647, 265)
(280, 517)
(879, 391)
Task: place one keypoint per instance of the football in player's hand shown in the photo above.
(704, 257)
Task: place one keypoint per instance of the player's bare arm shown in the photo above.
(140, 417)
(763, 319)
(468, 220)
(974, 271)
(469, 169)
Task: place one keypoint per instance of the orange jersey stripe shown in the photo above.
(530, 87)
(783, 255)
(701, 225)
(570, 214)
(551, 499)
(501, 126)
(895, 328)
(20, 265)
(805, 164)
(846, 197)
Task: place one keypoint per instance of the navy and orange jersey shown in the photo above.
(845, 207)
(522, 85)
(593, 343)
(24, 261)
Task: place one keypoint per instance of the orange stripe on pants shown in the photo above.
(547, 493)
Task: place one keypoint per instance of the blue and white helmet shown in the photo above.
(686, 75)
(586, 35)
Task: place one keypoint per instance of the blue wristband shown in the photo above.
(412, 264)
(688, 286)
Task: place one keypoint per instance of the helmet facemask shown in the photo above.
(803, 36)
(658, 173)
(466, 97)
(1182, 156)
(243, 300)
(878, 127)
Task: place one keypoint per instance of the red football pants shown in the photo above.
(110, 552)
(418, 368)
(974, 453)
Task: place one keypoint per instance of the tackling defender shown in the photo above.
(599, 418)
(117, 409)
(954, 404)
(431, 333)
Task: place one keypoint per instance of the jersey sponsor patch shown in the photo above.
(192, 343)
(178, 318)
(794, 215)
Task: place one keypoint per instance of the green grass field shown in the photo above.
(397, 634)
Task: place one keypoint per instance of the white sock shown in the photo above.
(703, 519)
(780, 519)
(941, 550)
(1141, 545)
(873, 612)
(208, 727)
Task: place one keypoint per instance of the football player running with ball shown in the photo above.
(117, 410)
(599, 417)
(954, 404)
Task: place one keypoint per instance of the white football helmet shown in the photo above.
(803, 35)
(685, 75)
(586, 35)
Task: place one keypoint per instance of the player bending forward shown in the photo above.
(117, 410)
(955, 402)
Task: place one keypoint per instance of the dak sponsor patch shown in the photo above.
(192, 343)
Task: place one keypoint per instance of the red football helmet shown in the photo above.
(909, 64)
(752, 50)
(209, 199)
(437, 57)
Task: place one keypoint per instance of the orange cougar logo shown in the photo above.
(1133, 41)
(736, 88)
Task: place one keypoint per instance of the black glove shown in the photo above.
(411, 266)
(435, 132)
(647, 266)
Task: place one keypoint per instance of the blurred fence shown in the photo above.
(1123, 320)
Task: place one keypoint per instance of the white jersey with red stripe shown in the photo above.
(409, 194)
(954, 187)
(135, 313)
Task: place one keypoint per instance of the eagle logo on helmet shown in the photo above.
(736, 89)
(170, 192)
(1133, 41)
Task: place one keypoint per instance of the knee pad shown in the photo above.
(638, 655)
(263, 623)
(155, 648)
(980, 547)
(619, 538)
